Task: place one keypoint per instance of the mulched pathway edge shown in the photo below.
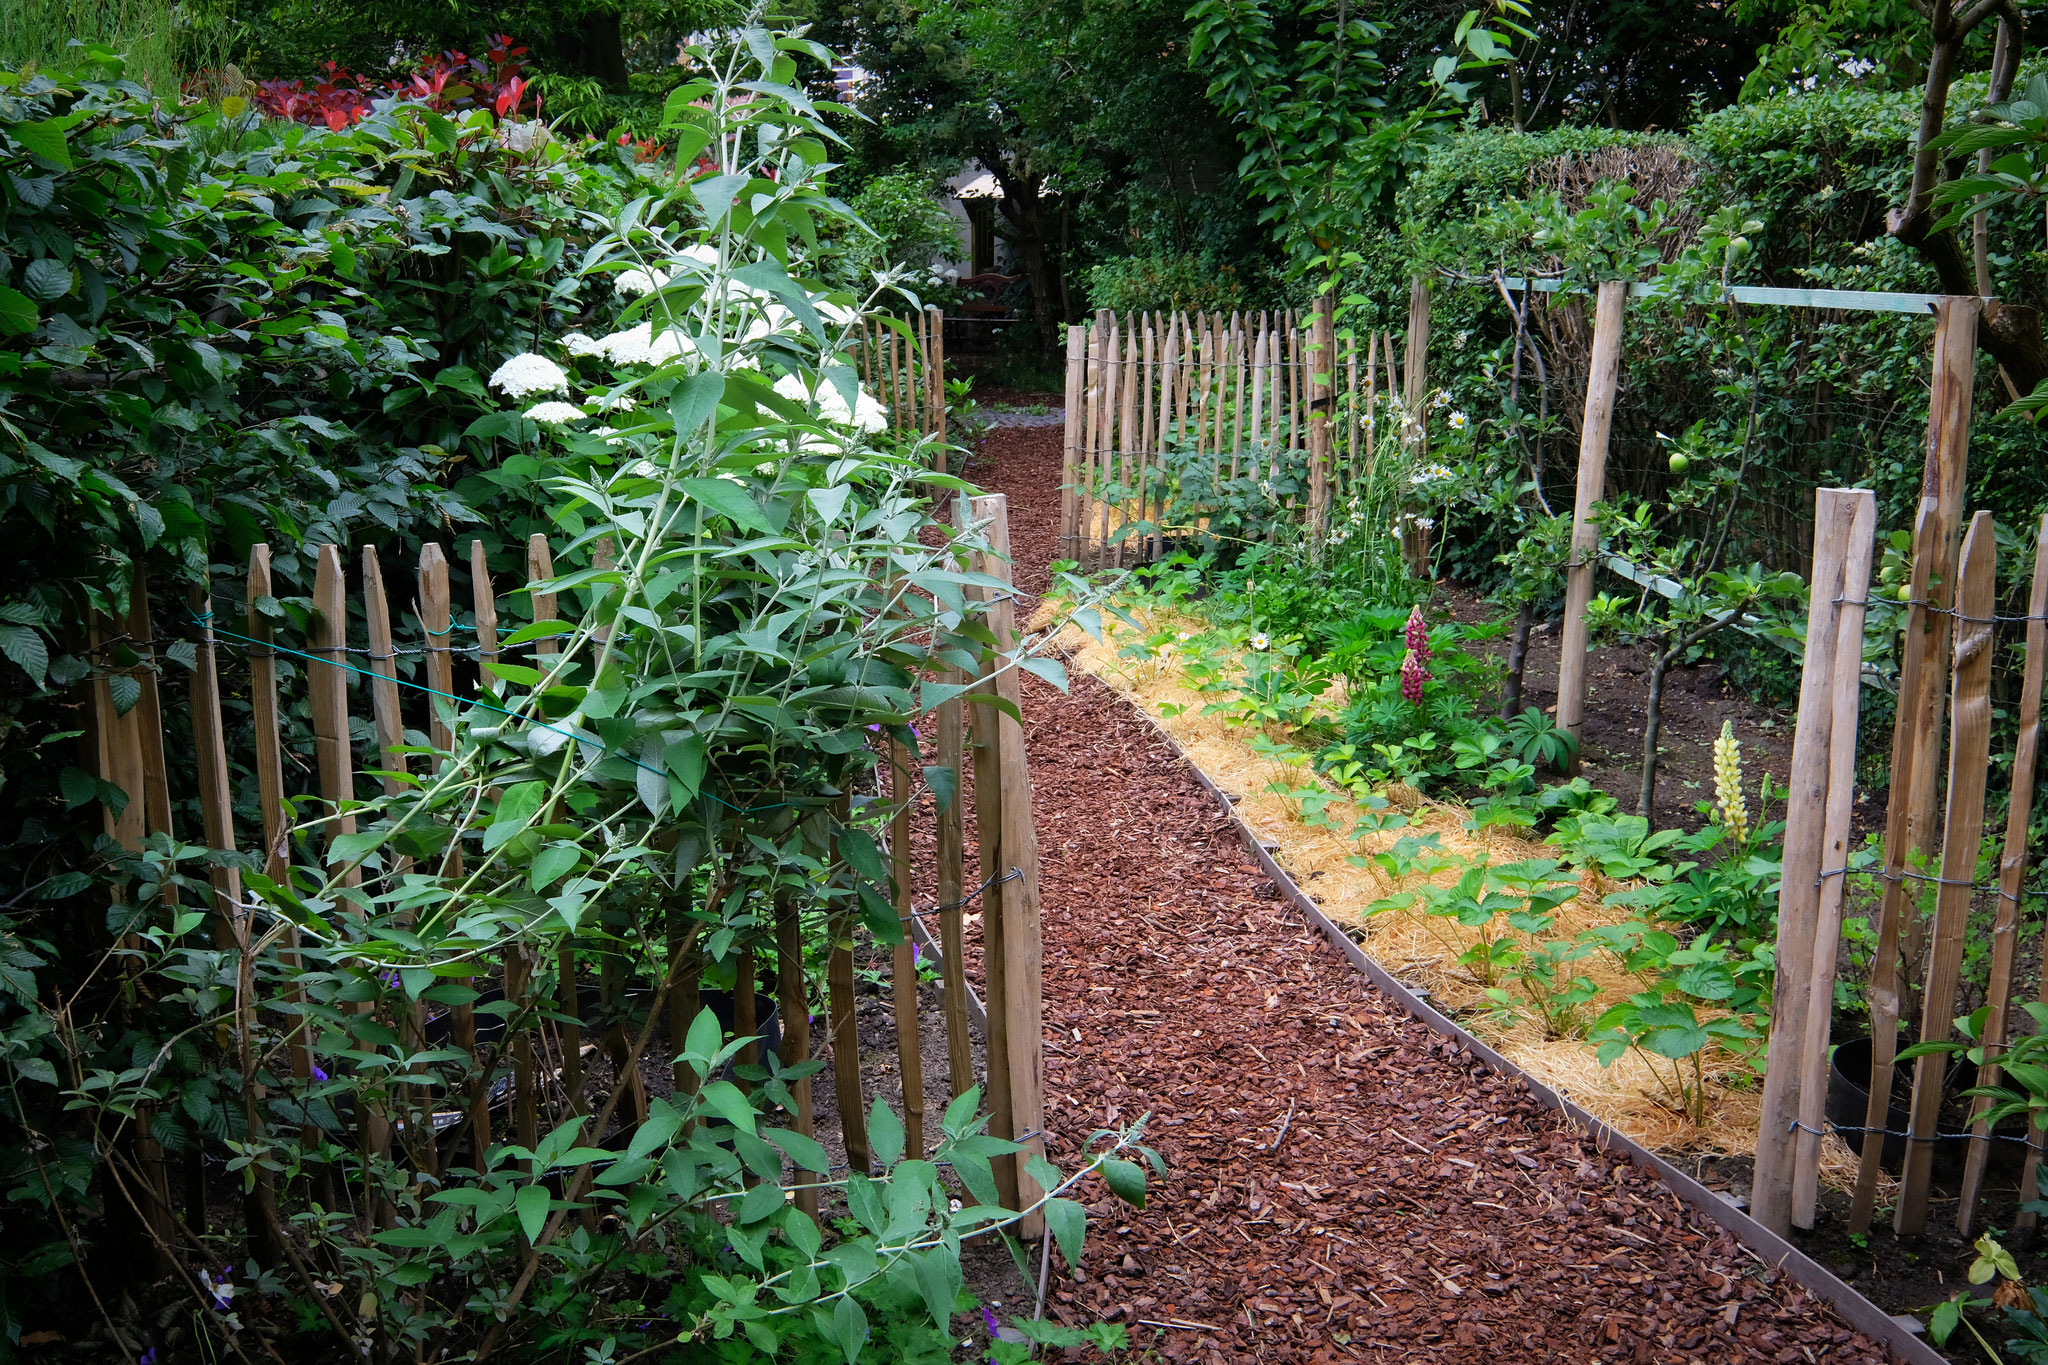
(1898, 1335)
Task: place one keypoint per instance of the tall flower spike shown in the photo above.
(1728, 782)
(1414, 673)
(1418, 635)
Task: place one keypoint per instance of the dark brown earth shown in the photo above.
(1342, 1184)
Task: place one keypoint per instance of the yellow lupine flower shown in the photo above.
(1728, 782)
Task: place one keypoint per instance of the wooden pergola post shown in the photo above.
(1603, 376)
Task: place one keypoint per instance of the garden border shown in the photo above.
(1899, 1335)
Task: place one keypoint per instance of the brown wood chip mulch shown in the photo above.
(1343, 1185)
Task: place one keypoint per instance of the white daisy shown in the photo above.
(529, 373)
(1457, 421)
(1260, 641)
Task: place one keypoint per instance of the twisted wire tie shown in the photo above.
(1012, 875)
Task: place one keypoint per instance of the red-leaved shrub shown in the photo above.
(448, 82)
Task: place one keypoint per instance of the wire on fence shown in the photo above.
(1832, 1127)
(994, 880)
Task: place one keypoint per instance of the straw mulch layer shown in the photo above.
(1342, 1185)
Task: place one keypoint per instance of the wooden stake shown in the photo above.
(328, 692)
(937, 362)
(1962, 832)
(903, 964)
(385, 714)
(793, 1006)
(216, 792)
(1799, 889)
(1070, 451)
(1130, 450)
(2012, 870)
(1112, 373)
(988, 826)
(1845, 693)
(1238, 410)
(1416, 370)
(1151, 493)
(1916, 658)
(1603, 376)
(1014, 899)
(839, 985)
(1322, 352)
(1950, 399)
(950, 842)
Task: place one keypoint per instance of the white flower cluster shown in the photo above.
(1428, 474)
(527, 373)
(1858, 67)
(867, 413)
(555, 411)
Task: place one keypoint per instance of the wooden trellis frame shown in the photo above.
(128, 738)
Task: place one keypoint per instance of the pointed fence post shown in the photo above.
(2012, 870)
(1017, 959)
(1917, 658)
(1969, 757)
(1806, 947)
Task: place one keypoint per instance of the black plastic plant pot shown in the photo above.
(1849, 1110)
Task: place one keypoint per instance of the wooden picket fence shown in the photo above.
(1951, 635)
(348, 658)
(1235, 383)
(903, 363)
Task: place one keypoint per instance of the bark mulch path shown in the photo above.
(1342, 1184)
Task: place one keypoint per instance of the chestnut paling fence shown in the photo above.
(1254, 392)
(1934, 832)
(1941, 771)
(526, 1066)
(902, 362)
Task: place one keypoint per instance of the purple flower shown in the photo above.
(222, 1290)
(148, 1357)
(916, 956)
(390, 978)
(988, 1315)
(318, 1074)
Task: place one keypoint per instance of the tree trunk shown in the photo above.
(1653, 723)
(2010, 332)
(1023, 205)
(1518, 661)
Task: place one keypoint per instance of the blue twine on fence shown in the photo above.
(206, 621)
